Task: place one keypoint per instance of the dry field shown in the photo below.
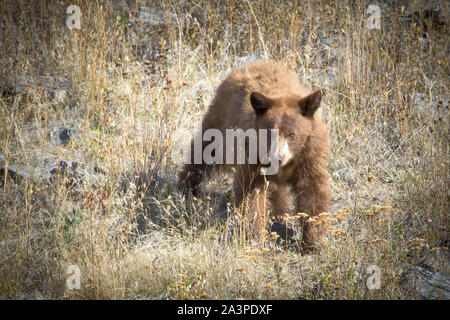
(94, 121)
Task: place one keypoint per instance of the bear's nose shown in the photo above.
(284, 153)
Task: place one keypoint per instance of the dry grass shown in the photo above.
(385, 107)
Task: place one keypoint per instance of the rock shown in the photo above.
(64, 169)
(140, 27)
(152, 16)
(18, 173)
(254, 57)
(60, 135)
(53, 86)
(50, 171)
(421, 283)
(437, 10)
(11, 173)
(59, 95)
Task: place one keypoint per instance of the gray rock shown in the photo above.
(50, 171)
(53, 86)
(59, 95)
(61, 135)
(152, 16)
(437, 10)
(254, 57)
(421, 283)
(16, 173)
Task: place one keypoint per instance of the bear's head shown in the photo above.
(292, 116)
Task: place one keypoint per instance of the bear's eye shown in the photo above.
(291, 135)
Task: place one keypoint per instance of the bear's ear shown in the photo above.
(260, 103)
(309, 104)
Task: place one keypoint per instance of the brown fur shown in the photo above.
(287, 106)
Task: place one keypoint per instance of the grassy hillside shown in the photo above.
(94, 122)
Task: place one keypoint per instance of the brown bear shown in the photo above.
(267, 95)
